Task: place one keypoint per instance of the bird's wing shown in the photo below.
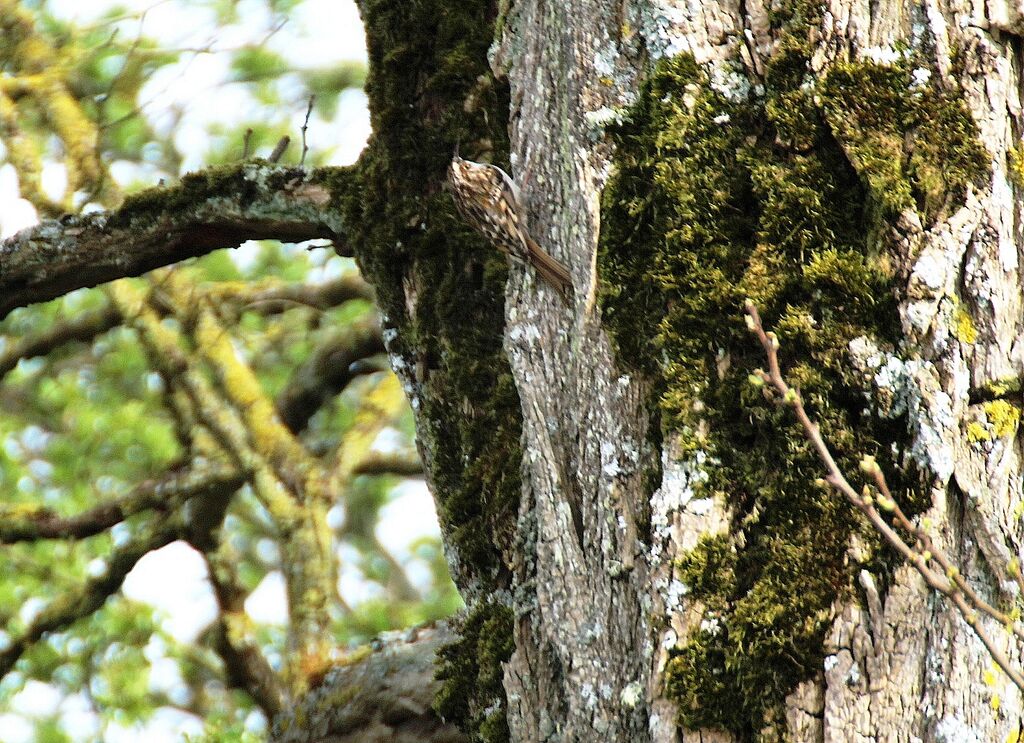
(511, 188)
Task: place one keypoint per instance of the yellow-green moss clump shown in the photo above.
(430, 88)
(778, 197)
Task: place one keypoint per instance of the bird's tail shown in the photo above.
(551, 270)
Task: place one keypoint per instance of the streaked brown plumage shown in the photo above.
(488, 199)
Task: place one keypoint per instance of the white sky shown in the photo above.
(174, 579)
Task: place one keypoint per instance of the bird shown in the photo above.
(488, 199)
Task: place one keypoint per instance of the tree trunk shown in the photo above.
(637, 532)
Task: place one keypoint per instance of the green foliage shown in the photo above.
(257, 63)
(327, 83)
(777, 197)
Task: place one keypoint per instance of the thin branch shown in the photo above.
(166, 493)
(305, 127)
(949, 582)
(273, 298)
(398, 463)
(246, 143)
(82, 328)
(208, 210)
(244, 663)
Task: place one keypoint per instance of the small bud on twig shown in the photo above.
(868, 465)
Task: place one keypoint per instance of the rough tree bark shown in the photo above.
(853, 167)
(642, 549)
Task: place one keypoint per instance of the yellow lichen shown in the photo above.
(964, 329)
(1003, 416)
(976, 432)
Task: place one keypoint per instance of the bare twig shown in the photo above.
(305, 126)
(402, 464)
(279, 148)
(922, 553)
(247, 143)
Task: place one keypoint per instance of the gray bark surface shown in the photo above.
(596, 616)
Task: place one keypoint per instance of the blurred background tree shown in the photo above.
(220, 438)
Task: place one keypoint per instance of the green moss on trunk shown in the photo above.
(441, 291)
(472, 674)
(781, 198)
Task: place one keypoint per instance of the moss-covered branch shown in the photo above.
(211, 209)
(38, 81)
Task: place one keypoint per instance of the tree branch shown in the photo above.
(277, 298)
(208, 210)
(83, 328)
(403, 464)
(244, 663)
(327, 372)
(921, 552)
(18, 524)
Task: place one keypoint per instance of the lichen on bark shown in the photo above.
(784, 194)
